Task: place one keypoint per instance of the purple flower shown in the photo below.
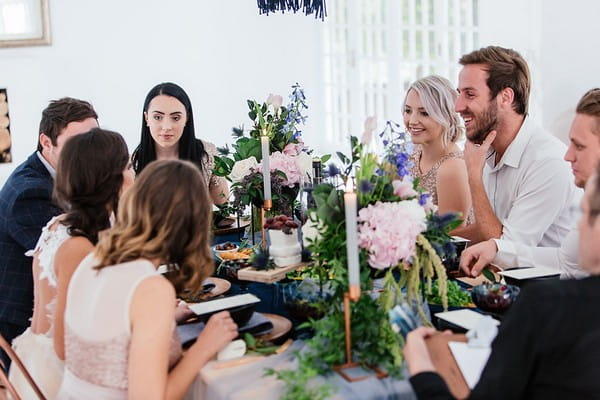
(365, 186)
(332, 170)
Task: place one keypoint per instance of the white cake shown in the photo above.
(285, 248)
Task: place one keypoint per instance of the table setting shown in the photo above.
(338, 273)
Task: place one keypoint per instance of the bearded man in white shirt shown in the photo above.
(583, 154)
(520, 185)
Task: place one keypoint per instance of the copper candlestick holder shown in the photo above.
(353, 294)
(267, 204)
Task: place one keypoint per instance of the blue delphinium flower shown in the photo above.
(365, 186)
(423, 198)
(332, 170)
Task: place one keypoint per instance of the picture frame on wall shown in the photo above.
(24, 23)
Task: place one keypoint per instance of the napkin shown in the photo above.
(483, 333)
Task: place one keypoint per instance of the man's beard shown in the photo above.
(486, 122)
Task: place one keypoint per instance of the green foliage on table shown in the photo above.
(259, 346)
(457, 296)
(299, 385)
(281, 125)
(374, 342)
(489, 275)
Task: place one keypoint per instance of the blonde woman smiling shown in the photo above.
(434, 127)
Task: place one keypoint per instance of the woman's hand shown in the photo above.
(416, 353)
(182, 312)
(219, 331)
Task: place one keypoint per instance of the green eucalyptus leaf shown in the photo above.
(489, 275)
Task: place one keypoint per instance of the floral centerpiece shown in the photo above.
(290, 160)
(401, 240)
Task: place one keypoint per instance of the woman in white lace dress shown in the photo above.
(168, 134)
(92, 172)
(120, 335)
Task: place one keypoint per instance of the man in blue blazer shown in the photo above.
(26, 206)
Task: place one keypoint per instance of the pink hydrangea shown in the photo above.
(404, 188)
(293, 149)
(288, 165)
(388, 231)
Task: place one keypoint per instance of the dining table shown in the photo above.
(246, 380)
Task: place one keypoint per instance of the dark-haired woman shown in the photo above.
(168, 133)
(92, 172)
(121, 340)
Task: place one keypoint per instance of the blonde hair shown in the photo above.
(438, 98)
(165, 216)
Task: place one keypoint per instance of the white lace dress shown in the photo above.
(37, 350)
(98, 330)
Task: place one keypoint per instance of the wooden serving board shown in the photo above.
(269, 275)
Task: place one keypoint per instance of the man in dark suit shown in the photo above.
(26, 206)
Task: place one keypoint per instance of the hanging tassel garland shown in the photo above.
(316, 7)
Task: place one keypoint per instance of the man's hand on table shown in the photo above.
(475, 258)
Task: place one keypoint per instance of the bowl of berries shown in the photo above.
(285, 246)
(494, 297)
(226, 247)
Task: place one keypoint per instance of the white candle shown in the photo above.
(264, 141)
(351, 234)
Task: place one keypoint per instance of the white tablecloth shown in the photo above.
(246, 382)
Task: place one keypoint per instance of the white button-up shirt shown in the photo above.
(531, 189)
(564, 259)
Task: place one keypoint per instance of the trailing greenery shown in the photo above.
(299, 385)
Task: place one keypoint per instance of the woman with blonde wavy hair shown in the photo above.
(120, 336)
(435, 127)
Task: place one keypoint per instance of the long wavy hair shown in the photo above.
(190, 148)
(88, 181)
(165, 216)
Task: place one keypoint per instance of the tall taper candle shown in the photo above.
(264, 141)
(351, 236)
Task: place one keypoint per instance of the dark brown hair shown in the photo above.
(88, 181)
(506, 69)
(60, 113)
(165, 216)
(590, 105)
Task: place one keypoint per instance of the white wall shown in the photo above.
(560, 41)
(112, 52)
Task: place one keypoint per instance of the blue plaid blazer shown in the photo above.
(25, 207)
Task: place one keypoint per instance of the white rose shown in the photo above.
(275, 100)
(304, 163)
(243, 168)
